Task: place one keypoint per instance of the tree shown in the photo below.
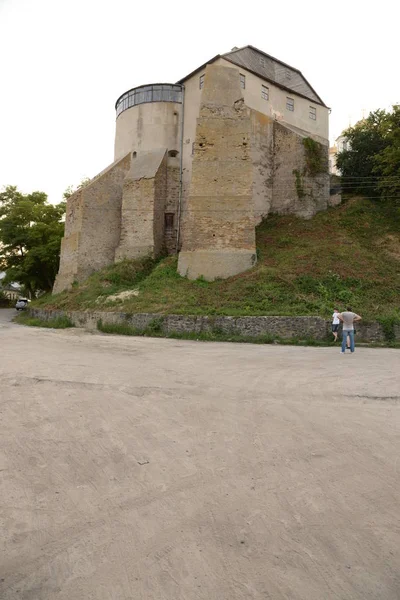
(30, 236)
(371, 165)
(387, 162)
(357, 164)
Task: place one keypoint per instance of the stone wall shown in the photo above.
(218, 234)
(143, 202)
(296, 190)
(147, 127)
(262, 154)
(92, 226)
(172, 201)
(302, 328)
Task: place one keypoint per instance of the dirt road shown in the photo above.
(152, 469)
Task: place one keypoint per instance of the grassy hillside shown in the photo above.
(347, 255)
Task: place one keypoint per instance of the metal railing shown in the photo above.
(158, 92)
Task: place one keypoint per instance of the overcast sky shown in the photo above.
(64, 63)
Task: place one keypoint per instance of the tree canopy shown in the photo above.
(30, 237)
(371, 164)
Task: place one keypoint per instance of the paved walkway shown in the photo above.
(137, 468)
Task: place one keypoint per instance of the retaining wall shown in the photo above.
(284, 327)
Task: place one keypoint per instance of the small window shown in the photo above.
(313, 113)
(173, 153)
(201, 82)
(290, 104)
(242, 81)
(169, 221)
(262, 61)
(264, 92)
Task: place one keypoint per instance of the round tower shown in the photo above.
(148, 117)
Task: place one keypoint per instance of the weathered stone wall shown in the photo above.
(172, 201)
(262, 154)
(301, 328)
(295, 190)
(146, 127)
(218, 235)
(92, 226)
(143, 202)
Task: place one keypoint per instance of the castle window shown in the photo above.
(242, 81)
(134, 154)
(290, 104)
(173, 153)
(313, 113)
(169, 221)
(264, 92)
(201, 82)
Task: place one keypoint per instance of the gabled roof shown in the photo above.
(268, 68)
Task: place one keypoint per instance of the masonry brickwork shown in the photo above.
(288, 328)
(92, 226)
(218, 234)
(294, 189)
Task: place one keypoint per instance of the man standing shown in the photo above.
(348, 317)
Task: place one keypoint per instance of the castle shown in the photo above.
(197, 165)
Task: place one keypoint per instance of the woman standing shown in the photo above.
(335, 323)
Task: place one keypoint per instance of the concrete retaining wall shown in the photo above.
(284, 327)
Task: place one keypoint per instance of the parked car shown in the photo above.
(21, 303)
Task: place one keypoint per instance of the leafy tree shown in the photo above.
(371, 164)
(30, 236)
(4, 301)
(357, 163)
(387, 162)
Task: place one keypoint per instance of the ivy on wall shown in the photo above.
(316, 164)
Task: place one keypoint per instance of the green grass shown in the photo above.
(346, 255)
(57, 323)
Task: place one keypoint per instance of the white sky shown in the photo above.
(63, 63)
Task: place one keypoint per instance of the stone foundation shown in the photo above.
(297, 328)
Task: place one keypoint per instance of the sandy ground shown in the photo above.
(153, 469)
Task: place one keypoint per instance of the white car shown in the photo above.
(21, 303)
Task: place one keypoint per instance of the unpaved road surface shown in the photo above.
(152, 469)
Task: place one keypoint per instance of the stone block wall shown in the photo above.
(143, 203)
(172, 201)
(296, 328)
(218, 235)
(262, 154)
(294, 189)
(92, 226)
